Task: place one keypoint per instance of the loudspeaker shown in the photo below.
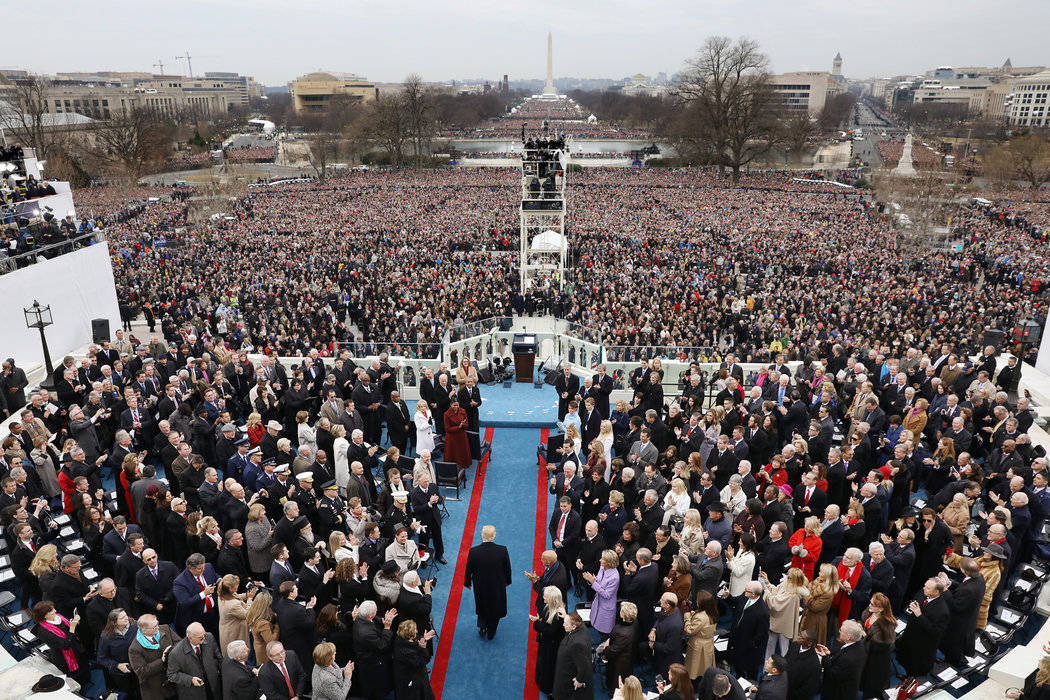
(995, 338)
(99, 330)
(551, 377)
(485, 375)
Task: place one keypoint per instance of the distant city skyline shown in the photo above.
(440, 41)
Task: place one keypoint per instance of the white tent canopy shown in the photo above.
(548, 242)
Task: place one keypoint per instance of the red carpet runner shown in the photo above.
(540, 543)
(455, 593)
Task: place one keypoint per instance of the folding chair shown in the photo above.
(449, 475)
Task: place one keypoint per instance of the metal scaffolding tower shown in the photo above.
(543, 241)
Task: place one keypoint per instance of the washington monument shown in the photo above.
(548, 89)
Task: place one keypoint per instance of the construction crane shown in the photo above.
(159, 64)
(186, 58)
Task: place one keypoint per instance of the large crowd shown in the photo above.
(285, 552)
(751, 522)
(658, 258)
(923, 157)
(316, 484)
(277, 533)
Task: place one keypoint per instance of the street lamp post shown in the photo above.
(39, 317)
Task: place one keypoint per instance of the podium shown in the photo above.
(523, 348)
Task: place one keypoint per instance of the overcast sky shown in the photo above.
(385, 40)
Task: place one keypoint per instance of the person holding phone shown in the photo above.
(60, 634)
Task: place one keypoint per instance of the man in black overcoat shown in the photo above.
(917, 645)
(568, 386)
(748, 636)
(964, 603)
(573, 667)
(843, 667)
(488, 574)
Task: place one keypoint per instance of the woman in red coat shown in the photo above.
(457, 449)
(805, 546)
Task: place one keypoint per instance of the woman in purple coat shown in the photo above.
(604, 584)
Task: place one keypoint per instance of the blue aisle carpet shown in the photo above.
(508, 502)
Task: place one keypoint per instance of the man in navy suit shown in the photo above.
(195, 597)
(116, 540)
(281, 569)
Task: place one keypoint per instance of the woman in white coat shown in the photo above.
(424, 427)
(341, 447)
(606, 437)
(741, 565)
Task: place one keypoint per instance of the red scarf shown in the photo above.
(841, 599)
(67, 654)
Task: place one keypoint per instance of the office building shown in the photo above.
(311, 93)
(806, 90)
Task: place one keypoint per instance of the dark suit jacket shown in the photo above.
(964, 603)
(918, 643)
(397, 417)
(297, 627)
(150, 592)
(804, 672)
(188, 597)
(271, 681)
(571, 541)
(842, 669)
(279, 574)
(772, 556)
(238, 682)
(668, 647)
(832, 538)
(817, 501)
(113, 545)
(881, 575)
(642, 589)
(573, 660)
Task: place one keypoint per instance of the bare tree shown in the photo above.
(837, 109)
(730, 107)
(1029, 158)
(324, 150)
(132, 140)
(798, 128)
(929, 199)
(389, 124)
(29, 122)
(419, 106)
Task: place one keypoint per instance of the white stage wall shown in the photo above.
(78, 286)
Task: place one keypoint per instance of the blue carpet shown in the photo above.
(519, 406)
(508, 502)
